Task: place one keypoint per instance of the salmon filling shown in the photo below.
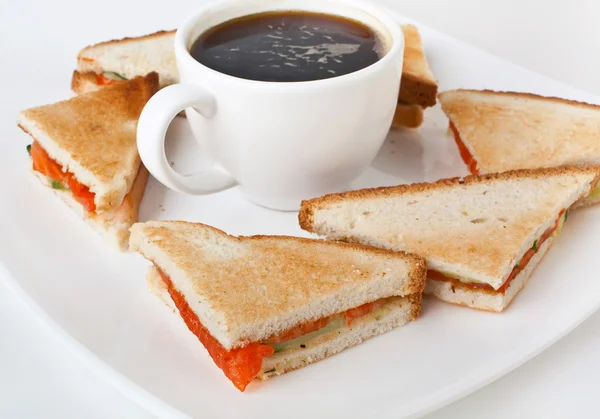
(473, 286)
(44, 164)
(102, 80)
(241, 365)
(349, 317)
(465, 154)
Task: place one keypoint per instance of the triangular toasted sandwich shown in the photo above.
(115, 61)
(266, 305)
(85, 149)
(418, 86)
(500, 131)
(482, 236)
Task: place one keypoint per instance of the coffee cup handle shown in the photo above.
(152, 129)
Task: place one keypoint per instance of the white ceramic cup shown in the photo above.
(280, 142)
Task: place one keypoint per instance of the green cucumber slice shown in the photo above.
(561, 223)
(113, 76)
(458, 278)
(595, 193)
(57, 185)
(338, 323)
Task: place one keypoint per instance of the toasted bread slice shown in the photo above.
(271, 304)
(507, 131)
(407, 116)
(398, 313)
(129, 58)
(93, 136)
(483, 299)
(474, 230)
(499, 131)
(248, 289)
(418, 86)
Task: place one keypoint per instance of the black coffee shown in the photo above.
(288, 46)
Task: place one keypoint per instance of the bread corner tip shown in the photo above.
(152, 81)
(75, 81)
(136, 227)
(152, 76)
(305, 215)
(134, 231)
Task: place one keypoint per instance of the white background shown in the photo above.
(38, 377)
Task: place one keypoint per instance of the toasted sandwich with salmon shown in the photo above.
(266, 305)
(482, 236)
(115, 61)
(84, 149)
(499, 131)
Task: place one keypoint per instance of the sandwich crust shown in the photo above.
(247, 289)
(308, 207)
(475, 227)
(522, 95)
(418, 86)
(128, 40)
(509, 130)
(93, 136)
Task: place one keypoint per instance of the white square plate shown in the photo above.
(96, 299)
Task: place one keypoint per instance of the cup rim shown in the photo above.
(393, 28)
